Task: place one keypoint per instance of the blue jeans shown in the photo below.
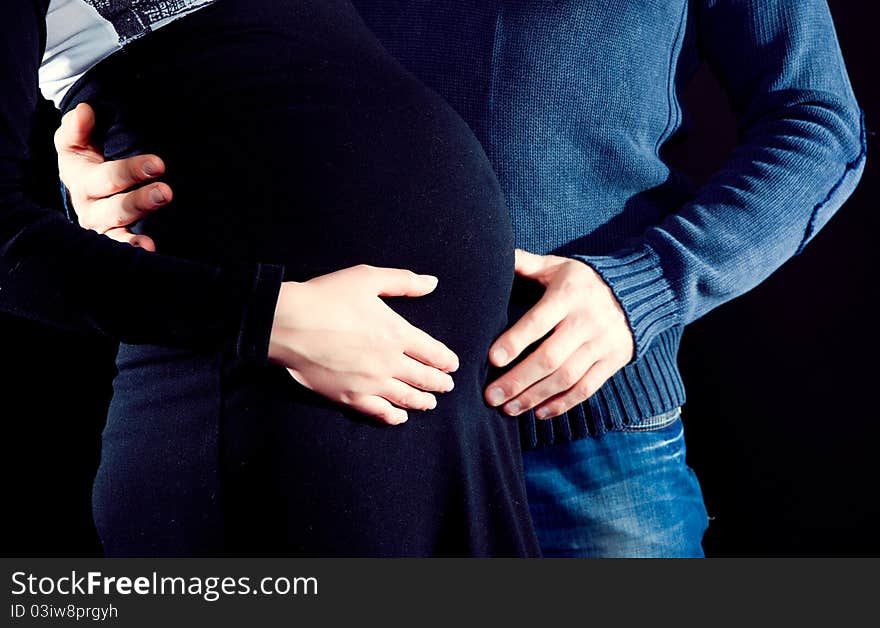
(624, 494)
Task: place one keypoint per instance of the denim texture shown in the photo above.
(574, 102)
(625, 494)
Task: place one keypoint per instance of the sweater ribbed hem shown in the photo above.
(259, 313)
(645, 388)
(636, 279)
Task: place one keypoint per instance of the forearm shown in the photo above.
(801, 153)
(61, 274)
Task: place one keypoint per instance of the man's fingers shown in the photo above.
(528, 264)
(561, 380)
(380, 409)
(422, 347)
(140, 202)
(534, 325)
(124, 209)
(422, 376)
(580, 392)
(544, 361)
(112, 177)
(76, 129)
(121, 234)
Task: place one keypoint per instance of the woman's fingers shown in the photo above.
(405, 396)
(420, 346)
(389, 282)
(397, 282)
(380, 409)
(423, 377)
(339, 339)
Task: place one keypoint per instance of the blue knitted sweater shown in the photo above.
(574, 100)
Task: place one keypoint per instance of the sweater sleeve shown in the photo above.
(800, 155)
(54, 271)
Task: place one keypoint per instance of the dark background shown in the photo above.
(782, 422)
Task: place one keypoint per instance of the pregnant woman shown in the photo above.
(210, 448)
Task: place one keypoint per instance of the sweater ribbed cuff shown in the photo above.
(259, 314)
(636, 279)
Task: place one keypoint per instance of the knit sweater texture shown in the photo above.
(574, 102)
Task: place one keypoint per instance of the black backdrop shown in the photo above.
(781, 419)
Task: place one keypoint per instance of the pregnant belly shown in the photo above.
(316, 151)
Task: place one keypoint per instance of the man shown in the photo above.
(573, 102)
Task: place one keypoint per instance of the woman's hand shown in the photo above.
(338, 338)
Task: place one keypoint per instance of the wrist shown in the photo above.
(285, 320)
(257, 315)
(639, 285)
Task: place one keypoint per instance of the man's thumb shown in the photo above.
(528, 264)
(76, 128)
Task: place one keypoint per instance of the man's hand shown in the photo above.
(98, 188)
(591, 340)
